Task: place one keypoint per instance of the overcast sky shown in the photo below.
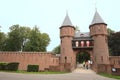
(48, 15)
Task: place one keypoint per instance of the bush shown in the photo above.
(3, 66)
(33, 68)
(12, 66)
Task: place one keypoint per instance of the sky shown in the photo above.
(49, 15)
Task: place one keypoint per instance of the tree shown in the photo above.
(13, 42)
(56, 50)
(37, 41)
(2, 41)
(114, 44)
(110, 31)
(21, 38)
(15, 38)
(82, 56)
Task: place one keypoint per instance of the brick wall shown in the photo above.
(43, 59)
(115, 60)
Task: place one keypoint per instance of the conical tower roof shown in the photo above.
(97, 19)
(67, 21)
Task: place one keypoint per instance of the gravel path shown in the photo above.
(78, 74)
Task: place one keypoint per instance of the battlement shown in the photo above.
(43, 59)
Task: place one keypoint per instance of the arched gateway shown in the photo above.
(94, 42)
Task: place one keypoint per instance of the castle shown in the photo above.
(93, 42)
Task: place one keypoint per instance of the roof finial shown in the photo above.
(67, 20)
(95, 5)
(67, 12)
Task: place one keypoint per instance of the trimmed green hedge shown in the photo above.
(33, 68)
(13, 66)
(3, 66)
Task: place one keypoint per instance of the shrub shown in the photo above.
(3, 66)
(33, 68)
(12, 66)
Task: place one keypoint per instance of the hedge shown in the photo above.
(3, 66)
(12, 66)
(33, 68)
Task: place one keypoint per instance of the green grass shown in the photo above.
(45, 72)
(110, 75)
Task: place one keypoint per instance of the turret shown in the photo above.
(98, 31)
(67, 31)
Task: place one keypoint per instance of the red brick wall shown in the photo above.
(43, 59)
(115, 60)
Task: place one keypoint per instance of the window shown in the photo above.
(95, 58)
(102, 58)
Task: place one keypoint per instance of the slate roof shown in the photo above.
(67, 21)
(97, 19)
(82, 36)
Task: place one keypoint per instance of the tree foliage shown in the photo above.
(82, 56)
(110, 31)
(24, 38)
(56, 50)
(37, 41)
(2, 40)
(114, 43)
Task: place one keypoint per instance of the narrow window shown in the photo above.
(95, 58)
(102, 58)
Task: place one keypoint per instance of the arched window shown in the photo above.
(76, 43)
(82, 43)
(87, 43)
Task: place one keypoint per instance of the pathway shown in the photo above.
(78, 74)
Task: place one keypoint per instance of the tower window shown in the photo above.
(95, 58)
(119, 62)
(102, 58)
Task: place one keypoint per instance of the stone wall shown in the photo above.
(43, 59)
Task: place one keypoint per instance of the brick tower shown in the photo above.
(67, 31)
(98, 31)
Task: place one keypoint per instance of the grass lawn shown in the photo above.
(110, 76)
(45, 72)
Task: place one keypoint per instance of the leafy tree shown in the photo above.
(82, 56)
(13, 42)
(24, 38)
(110, 31)
(37, 41)
(56, 50)
(2, 41)
(114, 43)
(15, 38)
